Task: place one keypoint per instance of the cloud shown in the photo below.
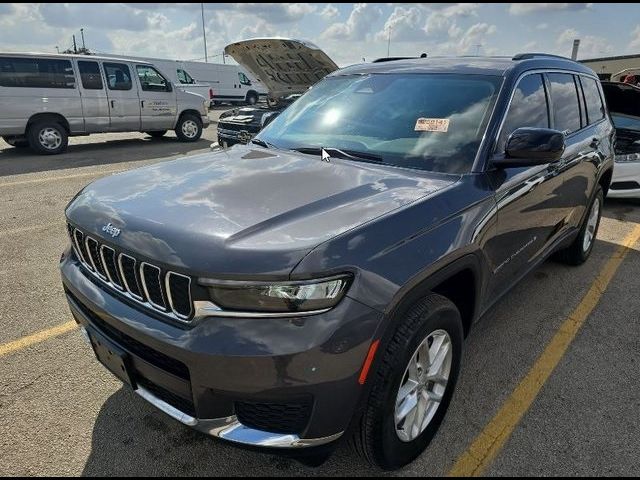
(590, 45)
(6, 9)
(358, 25)
(277, 12)
(526, 8)
(635, 38)
(329, 12)
(98, 15)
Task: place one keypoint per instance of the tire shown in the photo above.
(578, 252)
(18, 142)
(157, 133)
(252, 98)
(48, 137)
(189, 128)
(376, 437)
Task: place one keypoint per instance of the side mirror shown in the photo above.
(268, 117)
(529, 147)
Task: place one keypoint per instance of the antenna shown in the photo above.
(75, 49)
(204, 34)
(82, 33)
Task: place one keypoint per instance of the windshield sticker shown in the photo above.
(432, 125)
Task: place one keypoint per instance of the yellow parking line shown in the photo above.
(39, 337)
(490, 441)
(54, 179)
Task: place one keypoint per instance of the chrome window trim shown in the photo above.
(104, 263)
(538, 71)
(163, 308)
(93, 263)
(167, 289)
(124, 277)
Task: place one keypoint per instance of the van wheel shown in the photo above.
(47, 137)
(578, 252)
(252, 98)
(412, 386)
(18, 142)
(157, 133)
(189, 128)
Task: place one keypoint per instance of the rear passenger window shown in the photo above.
(564, 98)
(528, 107)
(118, 76)
(595, 108)
(32, 72)
(90, 75)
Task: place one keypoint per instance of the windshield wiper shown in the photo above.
(262, 143)
(347, 154)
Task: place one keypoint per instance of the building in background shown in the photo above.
(614, 68)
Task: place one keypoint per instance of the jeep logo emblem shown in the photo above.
(111, 230)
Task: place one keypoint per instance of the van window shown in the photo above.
(118, 76)
(244, 80)
(595, 108)
(564, 96)
(150, 79)
(184, 77)
(90, 75)
(528, 108)
(34, 72)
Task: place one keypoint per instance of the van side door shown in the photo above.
(529, 199)
(122, 93)
(158, 104)
(95, 104)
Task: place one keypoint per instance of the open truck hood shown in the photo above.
(284, 65)
(623, 102)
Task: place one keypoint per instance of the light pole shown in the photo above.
(204, 34)
(389, 41)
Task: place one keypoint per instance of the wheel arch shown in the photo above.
(48, 116)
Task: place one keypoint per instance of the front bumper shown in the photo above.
(201, 375)
(206, 121)
(626, 180)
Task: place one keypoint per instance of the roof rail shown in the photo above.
(527, 56)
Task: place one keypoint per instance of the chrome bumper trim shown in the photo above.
(232, 430)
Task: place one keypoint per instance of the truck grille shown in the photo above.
(165, 292)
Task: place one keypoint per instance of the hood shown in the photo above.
(623, 102)
(285, 66)
(243, 211)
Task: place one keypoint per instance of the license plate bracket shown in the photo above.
(116, 360)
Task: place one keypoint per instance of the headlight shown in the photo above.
(630, 157)
(283, 297)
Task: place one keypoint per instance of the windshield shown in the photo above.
(425, 121)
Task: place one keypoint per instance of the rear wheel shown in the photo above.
(252, 98)
(157, 133)
(189, 128)
(18, 142)
(47, 137)
(578, 252)
(412, 388)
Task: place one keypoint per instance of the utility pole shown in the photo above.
(75, 49)
(389, 41)
(204, 35)
(82, 33)
(57, 49)
(223, 55)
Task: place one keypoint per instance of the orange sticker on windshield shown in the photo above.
(432, 125)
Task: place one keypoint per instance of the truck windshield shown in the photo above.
(424, 121)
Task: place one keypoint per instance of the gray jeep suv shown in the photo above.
(317, 284)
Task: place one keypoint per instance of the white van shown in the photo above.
(231, 83)
(45, 98)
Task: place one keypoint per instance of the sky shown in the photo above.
(348, 32)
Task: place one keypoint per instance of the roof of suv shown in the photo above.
(500, 66)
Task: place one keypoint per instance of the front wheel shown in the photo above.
(189, 128)
(252, 98)
(578, 252)
(413, 385)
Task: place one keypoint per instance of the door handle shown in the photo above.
(595, 142)
(142, 103)
(113, 103)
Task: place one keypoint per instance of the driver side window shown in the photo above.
(528, 108)
(151, 80)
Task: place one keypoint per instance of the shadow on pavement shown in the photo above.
(14, 161)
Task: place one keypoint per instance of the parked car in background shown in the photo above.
(287, 67)
(47, 98)
(318, 283)
(623, 101)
